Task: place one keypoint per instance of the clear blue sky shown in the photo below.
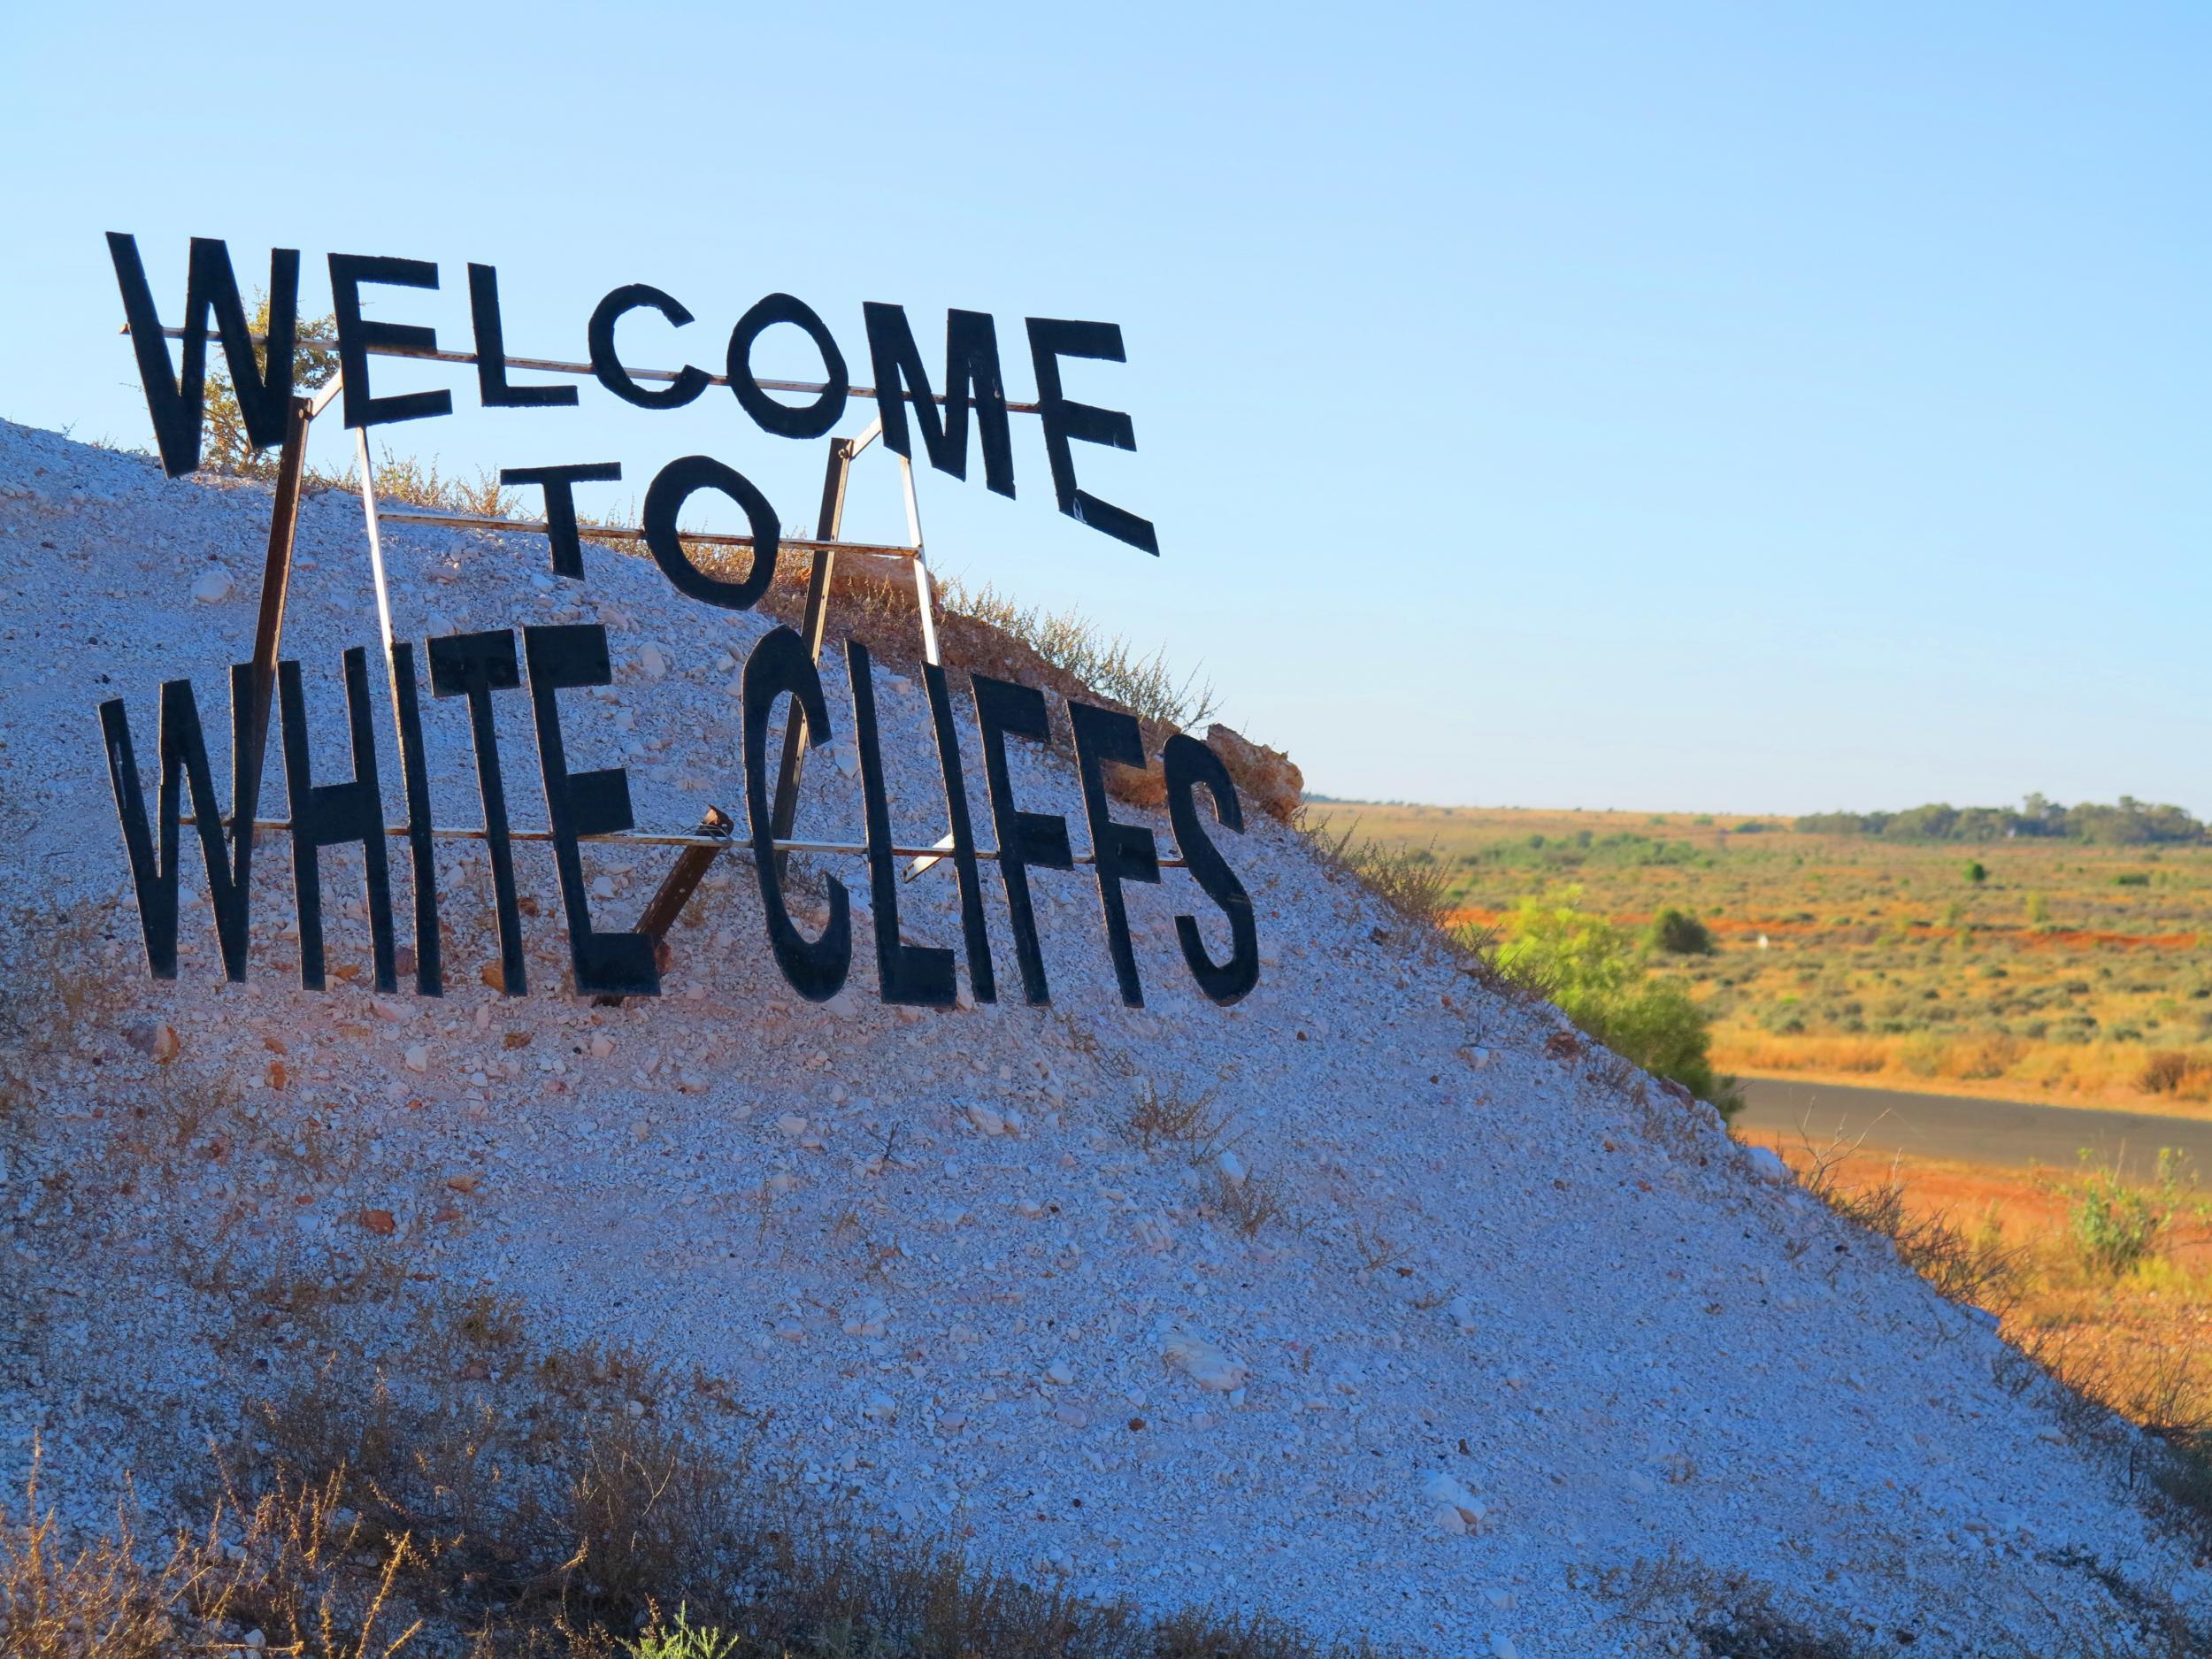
(1652, 406)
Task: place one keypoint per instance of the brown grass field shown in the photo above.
(2071, 974)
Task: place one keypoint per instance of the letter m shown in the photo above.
(229, 873)
(971, 371)
(173, 402)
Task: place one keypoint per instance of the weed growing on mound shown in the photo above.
(1977, 1269)
(1113, 667)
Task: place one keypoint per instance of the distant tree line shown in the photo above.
(2130, 823)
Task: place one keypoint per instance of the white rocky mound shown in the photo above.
(1520, 1324)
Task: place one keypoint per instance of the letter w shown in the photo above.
(229, 875)
(174, 404)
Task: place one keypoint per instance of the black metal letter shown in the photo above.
(664, 500)
(971, 370)
(583, 804)
(1050, 341)
(1123, 852)
(1025, 839)
(174, 404)
(560, 505)
(816, 968)
(980, 979)
(474, 665)
(415, 772)
(491, 353)
(348, 272)
(229, 875)
(1189, 762)
(604, 364)
(332, 814)
(916, 974)
(811, 421)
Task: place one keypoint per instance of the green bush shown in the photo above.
(1679, 934)
(2113, 1227)
(1974, 871)
(1595, 973)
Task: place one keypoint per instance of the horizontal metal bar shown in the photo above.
(553, 365)
(637, 838)
(625, 533)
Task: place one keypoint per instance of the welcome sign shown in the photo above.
(781, 671)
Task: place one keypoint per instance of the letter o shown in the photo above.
(811, 421)
(672, 487)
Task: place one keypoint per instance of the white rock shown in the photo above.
(1766, 1164)
(1060, 1371)
(1501, 1647)
(601, 1045)
(1461, 1313)
(418, 1058)
(653, 662)
(880, 1408)
(792, 1124)
(1204, 1364)
(988, 1121)
(1233, 1169)
(1448, 1519)
(212, 587)
(603, 886)
(1440, 1488)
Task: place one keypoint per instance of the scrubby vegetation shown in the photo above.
(1594, 971)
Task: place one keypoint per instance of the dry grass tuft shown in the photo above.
(1192, 1122)
(290, 1569)
(1978, 1268)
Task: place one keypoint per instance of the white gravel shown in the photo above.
(1519, 1333)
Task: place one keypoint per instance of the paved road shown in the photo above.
(1968, 1130)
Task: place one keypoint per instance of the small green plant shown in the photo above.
(683, 1639)
(1976, 872)
(2038, 910)
(2114, 1226)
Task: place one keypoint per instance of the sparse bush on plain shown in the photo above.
(1679, 934)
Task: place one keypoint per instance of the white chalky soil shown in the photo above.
(1524, 1333)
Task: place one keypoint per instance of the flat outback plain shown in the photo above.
(2065, 971)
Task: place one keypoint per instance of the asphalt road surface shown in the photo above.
(1966, 1130)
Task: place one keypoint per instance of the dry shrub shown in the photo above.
(578, 1505)
(2177, 1072)
(1192, 1122)
(1412, 881)
(1250, 1204)
(290, 1565)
